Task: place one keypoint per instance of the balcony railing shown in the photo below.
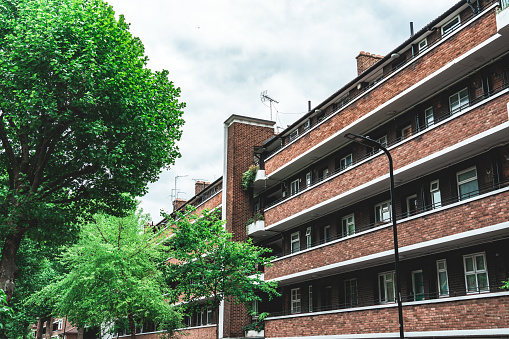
(504, 4)
(355, 303)
(439, 116)
(288, 140)
(419, 210)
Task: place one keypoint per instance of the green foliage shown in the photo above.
(211, 265)
(248, 177)
(258, 324)
(255, 218)
(5, 311)
(83, 121)
(113, 273)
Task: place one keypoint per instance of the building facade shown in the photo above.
(439, 103)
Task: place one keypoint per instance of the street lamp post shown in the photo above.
(366, 141)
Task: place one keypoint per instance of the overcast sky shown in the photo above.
(223, 54)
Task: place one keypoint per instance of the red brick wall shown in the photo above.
(193, 333)
(460, 43)
(447, 316)
(241, 138)
(473, 215)
(476, 121)
(211, 203)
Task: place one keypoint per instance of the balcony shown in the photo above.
(255, 227)
(300, 154)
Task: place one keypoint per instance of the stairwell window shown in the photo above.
(476, 273)
(387, 287)
(459, 100)
(348, 225)
(467, 183)
(345, 162)
(295, 300)
(451, 25)
(295, 242)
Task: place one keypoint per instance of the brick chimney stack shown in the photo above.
(177, 203)
(366, 60)
(200, 186)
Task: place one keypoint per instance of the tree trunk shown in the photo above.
(40, 325)
(49, 327)
(81, 333)
(132, 325)
(8, 268)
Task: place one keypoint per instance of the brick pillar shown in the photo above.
(242, 134)
(365, 61)
(200, 186)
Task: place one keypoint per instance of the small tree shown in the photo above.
(114, 275)
(211, 265)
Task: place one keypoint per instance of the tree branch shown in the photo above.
(13, 170)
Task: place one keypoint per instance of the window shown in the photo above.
(383, 212)
(443, 281)
(428, 116)
(383, 141)
(345, 162)
(418, 285)
(295, 302)
(348, 225)
(325, 173)
(467, 183)
(308, 179)
(386, 286)
(60, 323)
(459, 100)
(295, 242)
(307, 125)
(422, 44)
(293, 135)
(209, 313)
(476, 273)
(411, 205)
(294, 187)
(308, 237)
(310, 302)
(451, 25)
(255, 308)
(326, 234)
(406, 132)
(436, 199)
(351, 294)
(341, 103)
(327, 298)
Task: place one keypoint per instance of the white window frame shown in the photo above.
(442, 293)
(295, 300)
(307, 125)
(383, 294)
(459, 184)
(309, 239)
(209, 314)
(408, 199)
(308, 179)
(462, 101)
(325, 173)
(347, 224)
(294, 135)
(295, 242)
(476, 272)
(326, 230)
(413, 285)
(60, 323)
(294, 187)
(310, 298)
(346, 161)
(435, 192)
(382, 215)
(382, 140)
(429, 117)
(451, 27)
(422, 44)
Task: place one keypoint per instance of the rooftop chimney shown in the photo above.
(366, 60)
(177, 203)
(200, 186)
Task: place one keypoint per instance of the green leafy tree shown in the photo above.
(210, 264)
(113, 275)
(82, 120)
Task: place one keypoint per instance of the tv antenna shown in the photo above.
(264, 97)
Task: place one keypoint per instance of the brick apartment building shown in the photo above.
(439, 103)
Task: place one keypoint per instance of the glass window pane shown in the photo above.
(467, 175)
(390, 291)
(444, 286)
(469, 264)
(470, 189)
(483, 281)
(479, 262)
(471, 283)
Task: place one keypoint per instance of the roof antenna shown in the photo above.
(264, 97)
